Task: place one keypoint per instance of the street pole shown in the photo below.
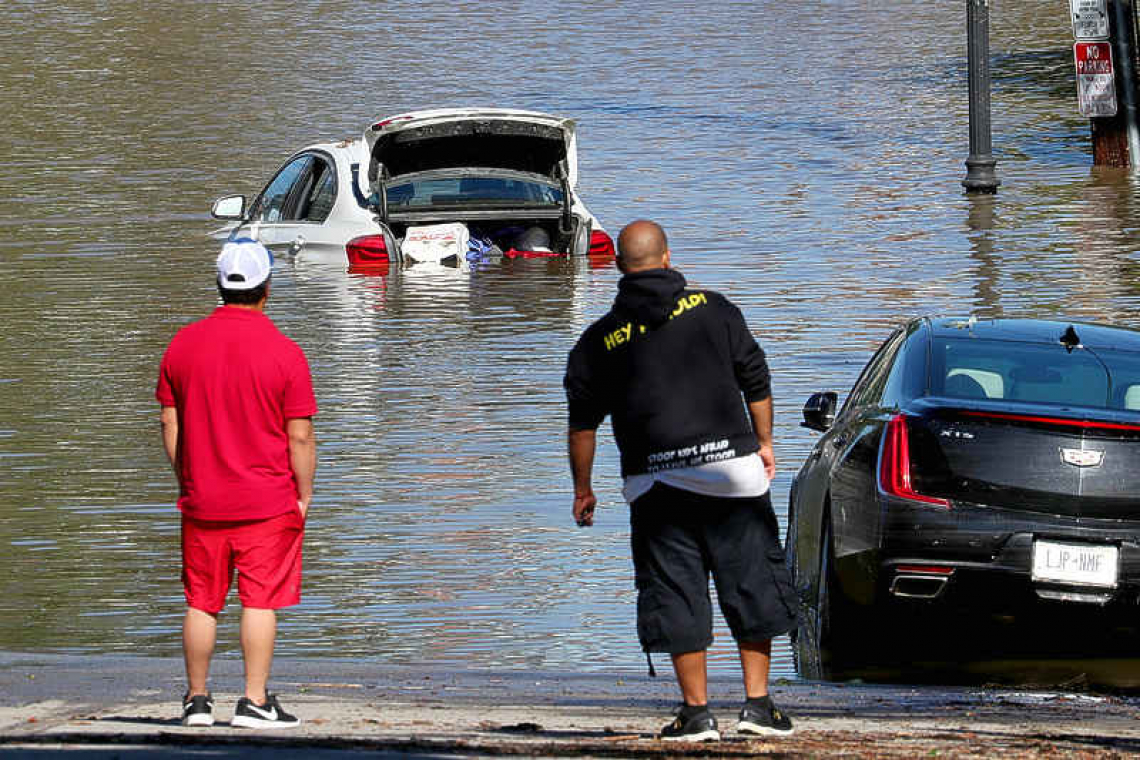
(981, 176)
(1125, 46)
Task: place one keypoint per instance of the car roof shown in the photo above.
(352, 149)
(1049, 331)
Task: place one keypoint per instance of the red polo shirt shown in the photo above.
(235, 380)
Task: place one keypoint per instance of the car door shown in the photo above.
(853, 444)
(829, 468)
(290, 213)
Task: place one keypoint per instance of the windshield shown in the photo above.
(468, 191)
(970, 368)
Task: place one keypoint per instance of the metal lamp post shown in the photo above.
(981, 176)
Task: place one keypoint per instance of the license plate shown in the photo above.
(1074, 563)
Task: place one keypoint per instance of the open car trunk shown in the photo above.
(506, 233)
(519, 140)
(497, 172)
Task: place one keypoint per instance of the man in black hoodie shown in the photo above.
(687, 390)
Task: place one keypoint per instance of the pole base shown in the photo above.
(981, 175)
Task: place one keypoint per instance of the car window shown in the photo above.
(980, 369)
(1124, 378)
(320, 192)
(274, 203)
(907, 378)
(869, 387)
(470, 191)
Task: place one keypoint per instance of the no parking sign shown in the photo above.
(1096, 88)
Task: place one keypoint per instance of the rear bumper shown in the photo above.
(976, 557)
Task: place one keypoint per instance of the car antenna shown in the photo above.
(1070, 339)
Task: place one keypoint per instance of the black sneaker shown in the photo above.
(268, 715)
(692, 724)
(761, 717)
(197, 710)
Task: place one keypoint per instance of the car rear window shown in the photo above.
(471, 191)
(979, 369)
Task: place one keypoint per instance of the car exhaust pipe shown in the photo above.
(918, 586)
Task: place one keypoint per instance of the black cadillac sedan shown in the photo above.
(982, 478)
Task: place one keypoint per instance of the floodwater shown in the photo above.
(806, 161)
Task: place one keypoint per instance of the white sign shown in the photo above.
(1090, 19)
(1083, 564)
(1096, 90)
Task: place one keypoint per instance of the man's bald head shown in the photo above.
(642, 245)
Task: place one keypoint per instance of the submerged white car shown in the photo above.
(425, 185)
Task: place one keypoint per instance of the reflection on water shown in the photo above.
(806, 165)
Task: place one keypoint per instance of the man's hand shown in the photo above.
(769, 460)
(584, 509)
(580, 444)
(761, 414)
(302, 458)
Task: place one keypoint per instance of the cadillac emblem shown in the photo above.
(1082, 457)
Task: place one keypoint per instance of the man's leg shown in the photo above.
(759, 716)
(258, 634)
(199, 634)
(756, 597)
(752, 582)
(693, 722)
(755, 661)
(692, 677)
(674, 613)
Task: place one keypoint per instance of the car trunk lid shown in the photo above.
(1081, 463)
(455, 138)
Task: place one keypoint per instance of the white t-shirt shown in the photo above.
(733, 478)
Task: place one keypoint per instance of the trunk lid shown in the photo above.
(454, 138)
(1079, 463)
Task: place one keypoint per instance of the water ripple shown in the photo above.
(807, 165)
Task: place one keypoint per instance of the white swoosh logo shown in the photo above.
(271, 715)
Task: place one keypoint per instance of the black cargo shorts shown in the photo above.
(678, 539)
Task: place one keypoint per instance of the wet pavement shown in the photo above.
(126, 707)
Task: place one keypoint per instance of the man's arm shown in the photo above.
(169, 421)
(761, 414)
(302, 458)
(581, 444)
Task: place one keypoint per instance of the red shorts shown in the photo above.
(266, 554)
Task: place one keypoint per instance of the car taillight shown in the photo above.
(601, 249)
(894, 466)
(368, 254)
(1052, 421)
(601, 244)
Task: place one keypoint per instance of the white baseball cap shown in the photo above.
(243, 264)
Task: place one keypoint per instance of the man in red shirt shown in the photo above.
(237, 406)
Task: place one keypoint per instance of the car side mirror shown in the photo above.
(231, 208)
(819, 411)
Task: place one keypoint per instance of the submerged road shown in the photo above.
(104, 707)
